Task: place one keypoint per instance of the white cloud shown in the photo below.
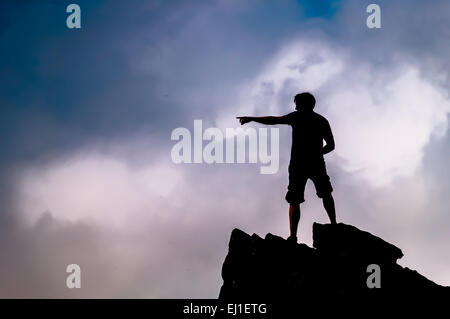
(97, 187)
(383, 122)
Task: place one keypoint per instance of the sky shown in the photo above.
(86, 173)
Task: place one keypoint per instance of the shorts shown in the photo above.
(299, 175)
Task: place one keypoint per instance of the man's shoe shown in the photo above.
(292, 239)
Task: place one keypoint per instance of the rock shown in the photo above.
(337, 265)
(348, 240)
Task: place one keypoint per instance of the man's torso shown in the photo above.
(308, 132)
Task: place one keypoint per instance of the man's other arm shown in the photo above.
(329, 140)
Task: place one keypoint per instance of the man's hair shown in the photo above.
(306, 100)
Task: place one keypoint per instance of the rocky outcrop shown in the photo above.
(344, 261)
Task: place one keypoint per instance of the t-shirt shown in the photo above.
(309, 130)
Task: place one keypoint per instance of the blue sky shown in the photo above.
(86, 118)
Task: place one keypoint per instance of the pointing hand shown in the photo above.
(243, 119)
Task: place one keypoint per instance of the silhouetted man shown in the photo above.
(309, 130)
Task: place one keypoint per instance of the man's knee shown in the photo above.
(294, 198)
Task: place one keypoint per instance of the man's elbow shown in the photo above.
(330, 146)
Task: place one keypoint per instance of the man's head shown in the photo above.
(305, 101)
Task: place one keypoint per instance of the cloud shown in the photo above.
(91, 186)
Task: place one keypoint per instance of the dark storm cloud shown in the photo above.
(63, 87)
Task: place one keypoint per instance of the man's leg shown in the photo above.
(328, 204)
(295, 196)
(294, 218)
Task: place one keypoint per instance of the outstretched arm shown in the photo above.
(267, 120)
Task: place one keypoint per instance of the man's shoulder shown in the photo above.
(298, 115)
(290, 117)
(320, 117)
(291, 113)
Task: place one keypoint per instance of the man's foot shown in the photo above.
(292, 239)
